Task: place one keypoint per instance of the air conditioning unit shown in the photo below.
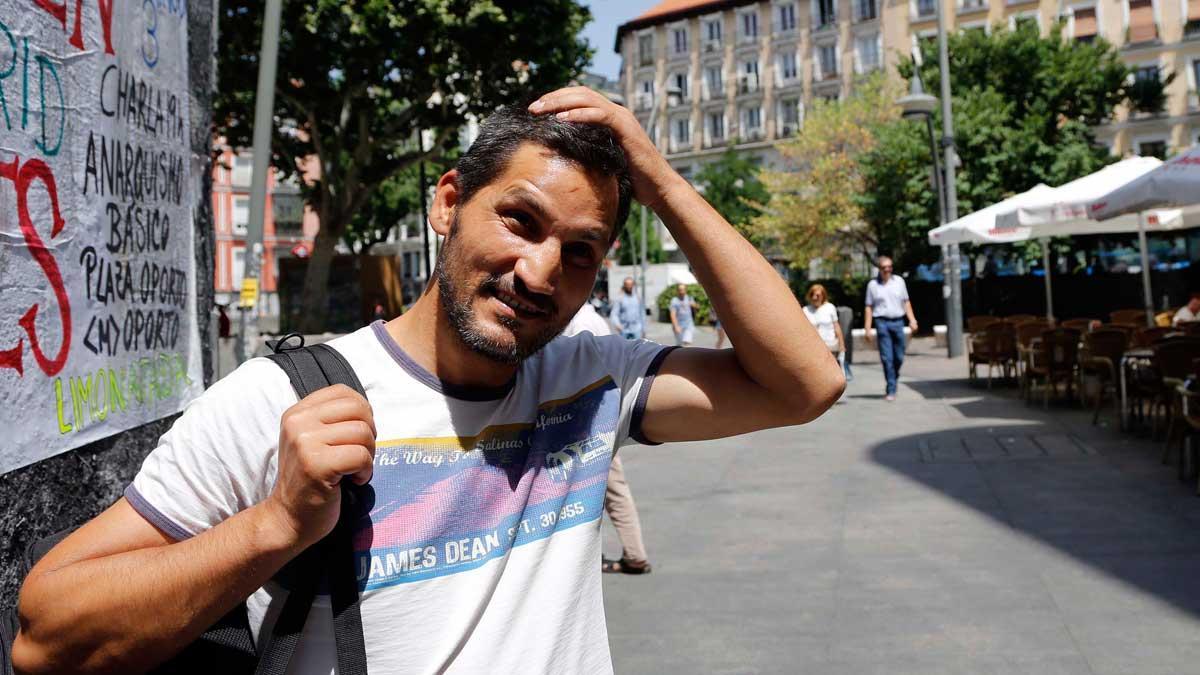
(754, 134)
(644, 101)
(787, 130)
(747, 84)
(711, 46)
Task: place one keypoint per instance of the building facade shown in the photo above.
(288, 231)
(747, 70)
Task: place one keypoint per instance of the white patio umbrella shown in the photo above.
(1175, 182)
(1064, 212)
(980, 227)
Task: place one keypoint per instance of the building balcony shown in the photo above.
(865, 10)
(747, 85)
(678, 145)
(782, 29)
(711, 47)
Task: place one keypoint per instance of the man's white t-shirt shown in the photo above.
(478, 546)
(1184, 315)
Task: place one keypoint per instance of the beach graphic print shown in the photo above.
(438, 506)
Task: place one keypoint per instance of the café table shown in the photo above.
(1130, 357)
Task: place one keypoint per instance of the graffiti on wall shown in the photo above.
(97, 279)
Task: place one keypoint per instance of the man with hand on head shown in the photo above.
(482, 445)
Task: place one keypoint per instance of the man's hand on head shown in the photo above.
(652, 175)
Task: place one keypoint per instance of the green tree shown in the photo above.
(359, 80)
(629, 249)
(814, 210)
(392, 201)
(1054, 91)
(732, 186)
(1024, 107)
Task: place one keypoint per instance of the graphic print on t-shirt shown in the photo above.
(439, 506)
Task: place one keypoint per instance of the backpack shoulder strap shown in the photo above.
(309, 369)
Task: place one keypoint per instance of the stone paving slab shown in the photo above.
(956, 530)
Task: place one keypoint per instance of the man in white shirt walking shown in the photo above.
(887, 305)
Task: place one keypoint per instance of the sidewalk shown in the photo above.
(954, 531)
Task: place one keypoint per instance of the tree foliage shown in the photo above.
(1024, 108)
(629, 249)
(392, 201)
(359, 79)
(859, 177)
(814, 211)
(731, 184)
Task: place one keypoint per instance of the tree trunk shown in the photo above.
(314, 301)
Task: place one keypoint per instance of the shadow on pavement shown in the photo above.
(1115, 507)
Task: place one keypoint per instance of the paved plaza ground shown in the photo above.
(954, 531)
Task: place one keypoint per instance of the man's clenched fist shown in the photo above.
(324, 438)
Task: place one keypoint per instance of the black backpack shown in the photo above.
(227, 647)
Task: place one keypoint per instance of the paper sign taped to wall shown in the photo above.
(98, 327)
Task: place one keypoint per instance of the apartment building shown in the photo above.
(288, 231)
(747, 69)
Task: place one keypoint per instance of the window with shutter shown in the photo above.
(1141, 22)
(1085, 24)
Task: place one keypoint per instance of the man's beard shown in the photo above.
(459, 310)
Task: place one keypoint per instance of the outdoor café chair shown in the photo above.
(975, 326)
(1171, 364)
(1055, 361)
(1027, 333)
(1146, 337)
(1081, 325)
(1103, 348)
(996, 346)
(1189, 413)
(1131, 317)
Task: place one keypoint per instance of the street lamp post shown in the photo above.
(954, 318)
(920, 104)
(264, 105)
(674, 94)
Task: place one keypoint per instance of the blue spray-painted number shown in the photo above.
(150, 39)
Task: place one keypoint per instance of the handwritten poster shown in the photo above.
(97, 277)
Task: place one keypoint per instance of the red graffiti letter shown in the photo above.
(37, 169)
(58, 11)
(105, 23)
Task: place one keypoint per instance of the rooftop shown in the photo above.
(673, 10)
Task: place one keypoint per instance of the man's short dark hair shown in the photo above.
(592, 147)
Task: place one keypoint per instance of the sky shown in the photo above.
(602, 31)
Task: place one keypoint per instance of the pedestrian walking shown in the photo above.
(628, 315)
(618, 497)
(886, 308)
(479, 450)
(846, 322)
(719, 329)
(824, 317)
(682, 319)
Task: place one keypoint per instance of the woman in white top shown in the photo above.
(824, 317)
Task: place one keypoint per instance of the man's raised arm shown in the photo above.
(779, 372)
